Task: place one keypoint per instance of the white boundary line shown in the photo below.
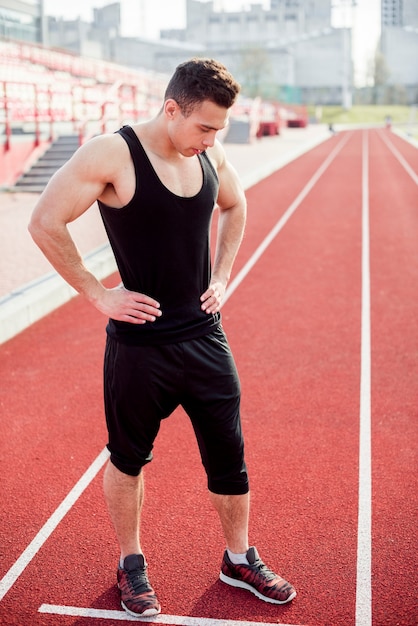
(122, 616)
(7, 582)
(364, 530)
(48, 528)
(282, 221)
(400, 158)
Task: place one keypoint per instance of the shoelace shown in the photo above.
(262, 567)
(138, 581)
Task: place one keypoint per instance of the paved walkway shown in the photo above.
(29, 288)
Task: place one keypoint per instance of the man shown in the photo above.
(156, 184)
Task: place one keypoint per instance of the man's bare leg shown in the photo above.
(241, 566)
(124, 495)
(233, 512)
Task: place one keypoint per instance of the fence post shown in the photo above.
(7, 127)
(50, 115)
(36, 115)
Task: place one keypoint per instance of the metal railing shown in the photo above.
(42, 89)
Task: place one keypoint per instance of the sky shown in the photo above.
(145, 18)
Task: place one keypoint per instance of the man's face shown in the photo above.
(195, 133)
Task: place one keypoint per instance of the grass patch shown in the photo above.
(364, 114)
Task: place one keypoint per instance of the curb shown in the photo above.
(26, 305)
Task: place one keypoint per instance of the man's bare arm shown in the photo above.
(231, 224)
(70, 192)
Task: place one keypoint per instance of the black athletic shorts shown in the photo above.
(144, 384)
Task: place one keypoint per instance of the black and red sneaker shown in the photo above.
(257, 578)
(137, 596)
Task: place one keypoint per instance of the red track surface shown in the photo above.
(294, 323)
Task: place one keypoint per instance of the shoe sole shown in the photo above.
(242, 585)
(146, 613)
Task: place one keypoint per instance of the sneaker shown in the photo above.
(137, 596)
(257, 578)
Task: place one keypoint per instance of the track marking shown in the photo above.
(400, 158)
(122, 616)
(50, 525)
(282, 221)
(364, 531)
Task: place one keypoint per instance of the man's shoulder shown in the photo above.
(102, 157)
(103, 143)
(216, 154)
(105, 148)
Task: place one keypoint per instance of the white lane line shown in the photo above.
(122, 616)
(364, 531)
(50, 525)
(285, 218)
(400, 158)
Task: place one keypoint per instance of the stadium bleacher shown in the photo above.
(45, 94)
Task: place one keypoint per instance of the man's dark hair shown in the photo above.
(197, 80)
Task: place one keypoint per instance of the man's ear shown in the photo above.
(171, 108)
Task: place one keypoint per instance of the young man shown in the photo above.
(157, 184)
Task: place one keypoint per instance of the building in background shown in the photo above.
(257, 26)
(398, 52)
(90, 39)
(22, 20)
(288, 52)
(399, 13)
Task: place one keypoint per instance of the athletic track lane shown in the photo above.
(295, 326)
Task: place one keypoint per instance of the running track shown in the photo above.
(322, 316)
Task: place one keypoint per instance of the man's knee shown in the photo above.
(234, 484)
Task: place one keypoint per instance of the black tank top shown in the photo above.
(161, 246)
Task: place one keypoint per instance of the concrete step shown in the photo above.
(61, 153)
(48, 163)
(29, 188)
(32, 180)
(36, 179)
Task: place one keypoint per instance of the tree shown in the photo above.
(380, 75)
(254, 69)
